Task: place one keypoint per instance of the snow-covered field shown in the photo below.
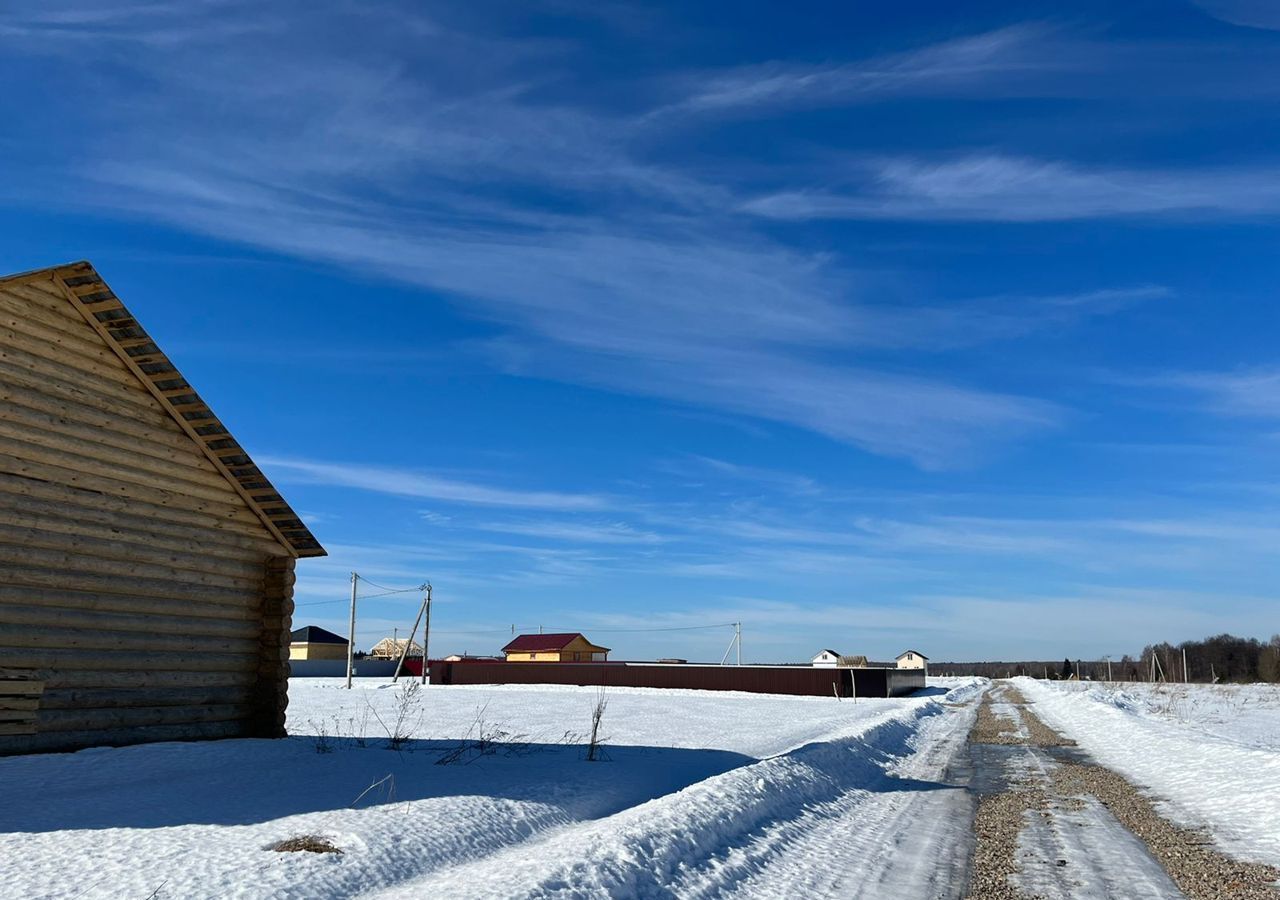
(1211, 753)
(700, 793)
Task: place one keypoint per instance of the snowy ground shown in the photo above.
(701, 794)
(1210, 753)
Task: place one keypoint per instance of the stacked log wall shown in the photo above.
(136, 584)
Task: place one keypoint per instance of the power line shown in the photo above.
(639, 630)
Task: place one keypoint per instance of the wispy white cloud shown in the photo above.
(790, 482)
(549, 220)
(1249, 13)
(999, 61)
(586, 532)
(1014, 189)
(402, 482)
(1246, 392)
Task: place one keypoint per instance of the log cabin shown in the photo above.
(146, 563)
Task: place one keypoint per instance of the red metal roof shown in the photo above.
(530, 643)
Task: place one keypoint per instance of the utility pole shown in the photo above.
(738, 628)
(426, 635)
(351, 634)
(1185, 675)
(404, 653)
(1108, 668)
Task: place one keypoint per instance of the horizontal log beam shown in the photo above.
(59, 561)
(40, 637)
(167, 612)
(203, 598)
(247, 569)
(42, 496)
(110, 698)
(135, 454)
(56, 619)
(126, 660)
(53, 720)
(109, 471)
(120, 737)
(18, 458)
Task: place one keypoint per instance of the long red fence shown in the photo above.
(803, 680)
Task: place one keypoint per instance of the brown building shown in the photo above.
(554, 648)
(146, 564)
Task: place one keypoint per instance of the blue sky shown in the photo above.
(868, 325)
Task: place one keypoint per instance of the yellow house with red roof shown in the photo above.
(554, 648)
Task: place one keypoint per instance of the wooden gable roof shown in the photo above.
(85, 289)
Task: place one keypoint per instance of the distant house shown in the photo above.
(912, 659)
(314, 642)
(854, 662)
(391, 648)
(826, 659)
(554, 648)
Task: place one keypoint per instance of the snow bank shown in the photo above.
(196, 818)
(1226, 776)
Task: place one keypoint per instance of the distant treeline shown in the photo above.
(1221, 658)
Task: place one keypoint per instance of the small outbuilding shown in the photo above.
(554, 648)
(912, 659)
(146, 563)
(314, 642)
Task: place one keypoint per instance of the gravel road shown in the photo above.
(1033, 776)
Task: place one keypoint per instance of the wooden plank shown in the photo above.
(17, 727)
(16, 715)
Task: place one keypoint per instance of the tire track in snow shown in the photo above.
(717, 836)
(905, 836)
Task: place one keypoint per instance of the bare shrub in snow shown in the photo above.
(594, 750)
(384, 787)
(405, 717)
(321, 736)
(483, 739)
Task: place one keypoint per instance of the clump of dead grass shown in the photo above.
(305, 843)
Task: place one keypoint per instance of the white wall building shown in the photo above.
(826, 659)
(913, 659)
